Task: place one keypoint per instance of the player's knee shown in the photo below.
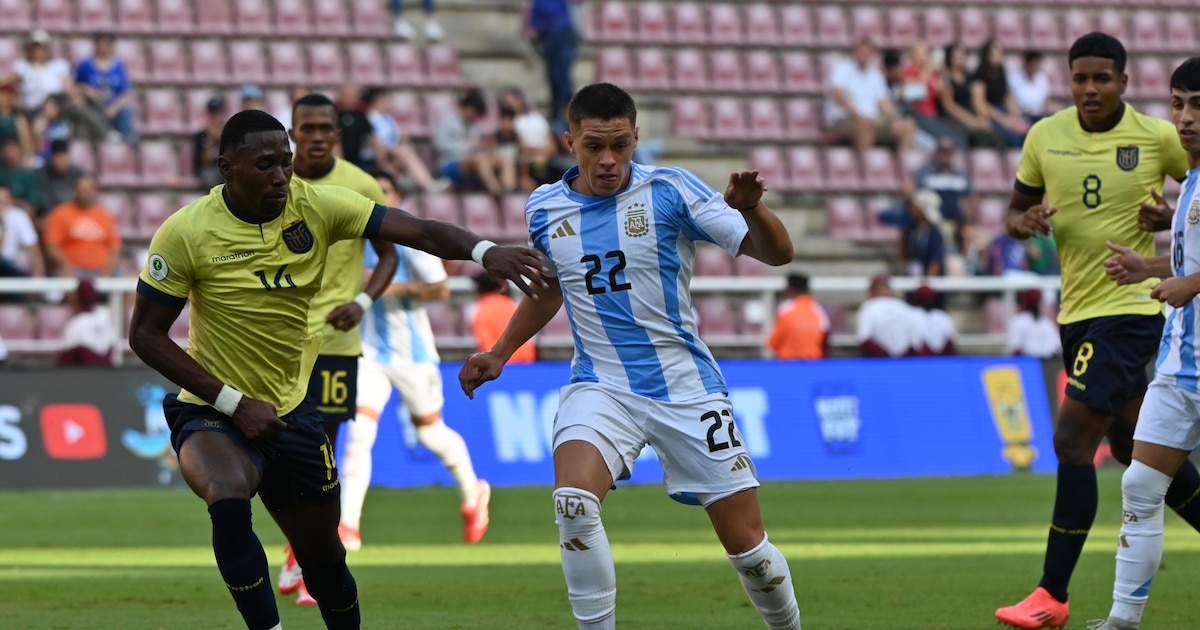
(1143, 489)
(577, 512)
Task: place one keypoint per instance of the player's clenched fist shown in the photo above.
(517, 264)
(1156, 216)
(1033, 222)
(745, 190)
(1177, 291)
(257, 420)
(1127, 266)
(478, 369)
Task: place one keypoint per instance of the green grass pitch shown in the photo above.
(891, 555)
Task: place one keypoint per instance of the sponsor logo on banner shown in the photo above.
(1010, 413)
(13, 443)
(836, 406)
(73, 431)
(154, 442)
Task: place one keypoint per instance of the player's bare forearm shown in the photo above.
(1159, 267)
(384, 269)
(439, 238)
(1026, 216)
(421, 290)
(149, 337)
(767, 239)
(529, 318)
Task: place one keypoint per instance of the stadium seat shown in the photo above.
(801, 121)
(92, 15)
(1076, 24)
(879, 170)
(406, 110)
(875, 231)
(133, 55)
(988, 172)
(1012, 160)
(1147, 30)
(762, 72)
(1009, 28)
(839, 319)
(689, 118)
(653, 69)
(443, 319)
(729, 119)
(253, 17)
(1112, 22)
(174, 17)
(15, 17)
(83, 156)
(512, 218)
(118, 206)
(556, 332)
(1181, 33)
(52, 321)
(1155, 109)
(804, 169)
(768, 161)
(800, 74)
(54, 15)
(437, 104)
(726, 70)
(762, 26)
(911, 160)
(826, 62)
(209, 65)
(939, 27)
(179, 328)
(153, 209)
(441, 207)
(973, 27)
(766, 123)
(844, 219)
(691, 71)
(330, 19)
(195, 102)
(748, 266)
(832, 29)
(405, 66)
(215, 17)
(442, 62)
(689, 23)
(167, 64)
(616, 25)
(10, 51)
(903, 28)
(1150, 78)
(118, 167)
(1045, 30)
(160, 164)
(365, 63)
(481, 216)
(286, 63)
(653, 23)
(78, 49)
(843, 173)
(866, 22)
(370, 19)
(796, 25)
(991, 219)
(161, 112)
(292, 18)
(16, 322)
(325, 64)
(614, 66)
(995, 316)
(715, 317)
(725, 25)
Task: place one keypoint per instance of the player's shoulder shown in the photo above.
(1064, 122)
(350, 175)
(545, 195)
(200, 212)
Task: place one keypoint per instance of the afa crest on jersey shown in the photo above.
(1193, 216)
(1127, 157)
(298, 237)
(636, 224)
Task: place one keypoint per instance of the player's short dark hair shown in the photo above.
(315, 99)
(797, 282)
(1187, 76)
(386, 177)
(246, 122)
(1101, 45)
(485, 283)
(891, 59)
(506, 112)
(473, 98)
(1033, 55)
(372, 94)
(601, 100)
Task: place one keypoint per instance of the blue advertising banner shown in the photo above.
(838, 419)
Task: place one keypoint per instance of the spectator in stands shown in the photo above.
(1030, 87)
(206, 142)
(493, 310)
(393, 153)
(1006, 256)
(960, 202)
(859, 107)
(992, 98)
(89, 336)
(801, 330)
(356, 128)
(81, 237)
(55, 180)
(49, 126)
(933, 325)
(956, 105)
(923, 247)
(893, 68)
(16, 177)
(886, 324)
(918, 95)
(40, 75)
(461, 156)
(506, 149)
(1030, 333)
(534, 139)
(1043, 255)
(252, 96)
(433, 32)
(13, 123)
(102, 80)
(551, 27)
(20, 253)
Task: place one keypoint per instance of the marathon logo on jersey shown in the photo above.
(1127, 157)
(297, 237)
(636, 224)
(836, 406)
(73, 431)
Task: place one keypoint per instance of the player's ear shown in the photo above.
(225, 166)
(570, 142)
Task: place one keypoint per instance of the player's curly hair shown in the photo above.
(1098, 44)
(1187, 76)
(601, 100)
(246, 122)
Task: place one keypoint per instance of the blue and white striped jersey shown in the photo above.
(397, 329)
(1177, 352)
(625, 266)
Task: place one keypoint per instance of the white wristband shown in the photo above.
(480, 249)
(364, 301)
(227, 400)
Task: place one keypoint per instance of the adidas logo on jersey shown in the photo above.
(564, 229)
(742, 463)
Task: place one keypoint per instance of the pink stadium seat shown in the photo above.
(512, 218)
(325, 63)
(992, 211)
(167, 61)
(405, 66)
(557, 331)
(973, 27)
(93, 15)
(15, 16)
(762, 72)
(16, 322)
(436, 104)
(174, 17)
(118, 167)
(1151, 78)
(195, 101)
(729, 119)
(844, 219)
(215, 17)
(370, 19)
(988, 171)
(712, 261)
(614, 66)
(839, 319)
(1155, 109)
(330, 18)
(441, 207)
(54, 15)
(1148, 32)
(832, 28)
(366, 63)
(903, 27)
(796, 25)
(653, 23)
(406, 109)
(1112, 22)
(292, 18)
(867, 22)
(725, 25)
(52, 321)
(716, 317)
(616, 25)
(1181, 33)
(800, 74)
(876, 231)
(133, 55)
(939, 26)
(247, 61)
(153, 209)
(442, 62)
(1009, 28)
(879, 170)
(691, 71)
(654, 71)
(10, 51)
(804, 169)
(117, 205)
(83, 156)
(286, 63)
(911, 160)
(766, 123)
(726, 68)
(801, 120)
(768, 161)
(443, 319)
(253, 17)
(843, 173)
(995, 317)
(689, 23)
(689, 118)
(78, 49)
(481, 216)
(1045, 30)
(762, 26)
(160, 164)
(162, 113)
(747, 266)
(827, 61)
(1012, 159)
(1076, 24)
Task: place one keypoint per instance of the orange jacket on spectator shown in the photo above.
(87, 237)
(492, 313)
(800, 330)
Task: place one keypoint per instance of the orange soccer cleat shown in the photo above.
(475, 517)
(1039, 610)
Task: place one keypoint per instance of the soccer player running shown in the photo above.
(399, 351)
(622, 237)
(1098, 165)
(338, 307)
(1168, 427)
(249, 257)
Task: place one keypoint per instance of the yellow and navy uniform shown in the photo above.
(250, 285)
(1097, 180)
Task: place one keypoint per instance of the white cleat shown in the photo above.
(405, 30)
(290, 576)
(433, 32)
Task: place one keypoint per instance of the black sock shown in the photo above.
(336, 593)
(243, 563)
(1074, 511)
(1184, 494)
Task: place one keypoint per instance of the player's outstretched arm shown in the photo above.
(348, 315)
(149, 338)
(1027, 216)
(1126, 266)
(530, 317)
(521, 265)
(767, 239)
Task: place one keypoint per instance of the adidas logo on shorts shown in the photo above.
(742, 463)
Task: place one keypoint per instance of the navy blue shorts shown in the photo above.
(333, 387)
(296, 468)
(1108, 358)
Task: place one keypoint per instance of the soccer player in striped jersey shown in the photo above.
(622, 238)
(1168, 427)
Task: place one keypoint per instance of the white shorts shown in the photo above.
(702, 453)
(420, 386)
(1170, 417)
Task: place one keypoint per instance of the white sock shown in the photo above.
(1139, 550)
(768, 581)
(586, 559)
(449, 446)
(278, 626)
(356, 467)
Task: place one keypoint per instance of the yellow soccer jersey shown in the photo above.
(1097, 181)
(344, 262)
(250, 285)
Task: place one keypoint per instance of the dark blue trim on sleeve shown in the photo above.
(1026, 189)
(159, 297)
(375, 222)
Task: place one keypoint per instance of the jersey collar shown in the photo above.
(1120, 117)
(321, 175)
(240, 214)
